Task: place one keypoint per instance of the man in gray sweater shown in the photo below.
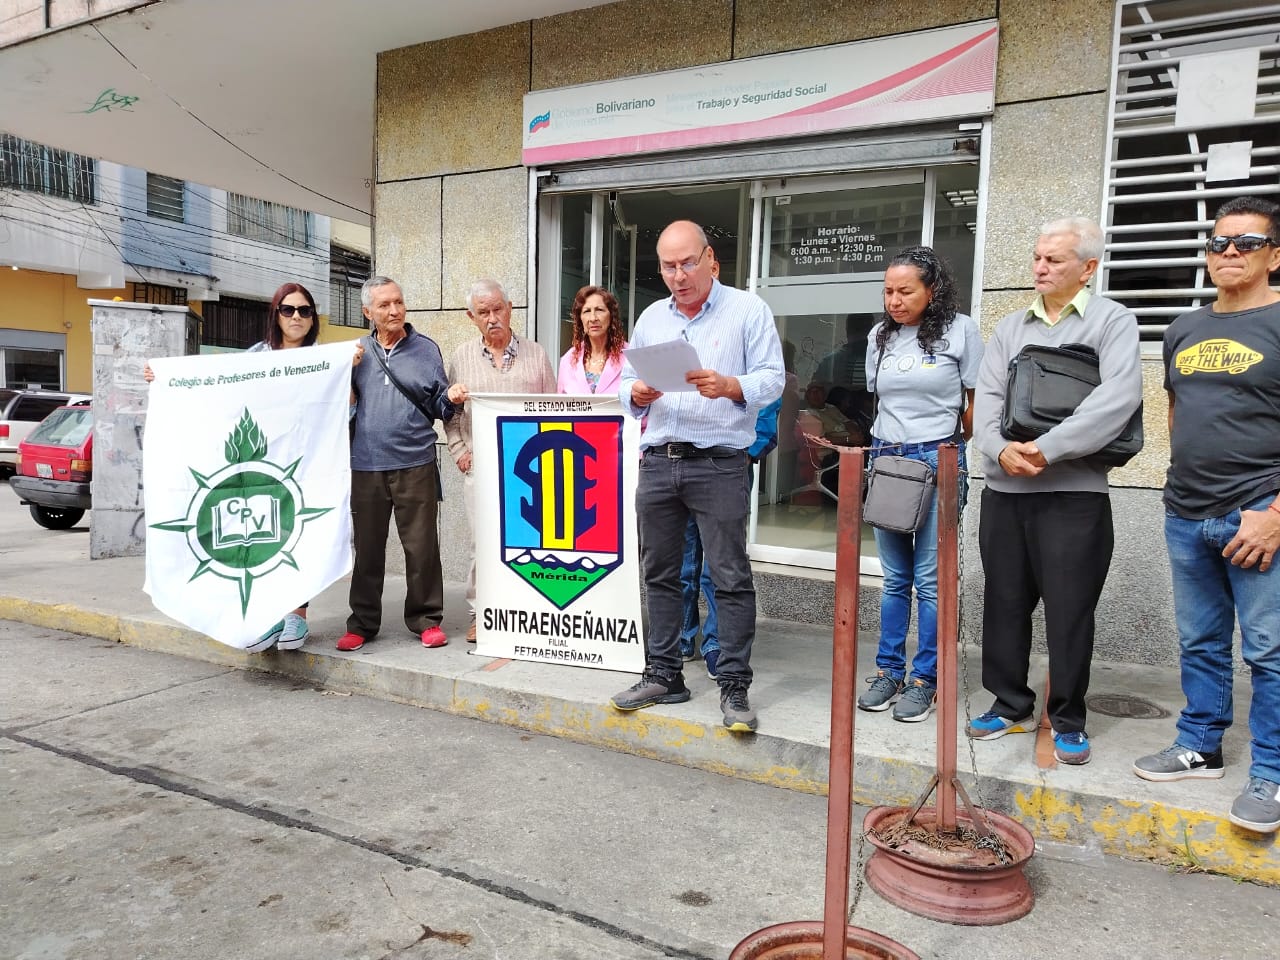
(1045, 532)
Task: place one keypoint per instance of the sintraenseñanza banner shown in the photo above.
(557, 561)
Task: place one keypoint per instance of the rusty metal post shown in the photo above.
(843, 670)
(948, 494)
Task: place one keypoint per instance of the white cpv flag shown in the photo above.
(246, 474)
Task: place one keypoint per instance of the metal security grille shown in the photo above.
(268, 222)
(233, 322)
(58, 173)
(1179, 109)
(159, 294)
(166, 197)
(347, 272)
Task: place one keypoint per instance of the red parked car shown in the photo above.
(55, 465)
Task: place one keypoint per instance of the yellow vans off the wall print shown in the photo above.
(1216, 356)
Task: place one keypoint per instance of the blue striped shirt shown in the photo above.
(735, 336)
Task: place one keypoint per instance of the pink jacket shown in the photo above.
(573, 379)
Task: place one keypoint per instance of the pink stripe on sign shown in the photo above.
(893, 80)
(967, 74)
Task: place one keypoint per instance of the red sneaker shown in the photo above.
(434, 637)
(351, 641)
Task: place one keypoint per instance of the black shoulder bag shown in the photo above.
(432, 394)
(1045, 386)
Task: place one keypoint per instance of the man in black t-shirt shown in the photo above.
(1222, 494)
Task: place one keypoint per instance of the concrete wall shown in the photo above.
(251, 268)
(165, 244)
(47, 233)
(29, 21)
(451, 200)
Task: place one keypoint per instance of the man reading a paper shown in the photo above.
(695, 463)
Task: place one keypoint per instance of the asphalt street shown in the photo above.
(158, 807)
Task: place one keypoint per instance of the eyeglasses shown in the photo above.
(669, 269)
(288, 309)
(1245, 243)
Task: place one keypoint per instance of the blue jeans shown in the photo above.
(694, 574)
(1208, 595)
(716, 493)
(911, 560)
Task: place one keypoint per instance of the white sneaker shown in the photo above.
(266, 641)
(295, 632)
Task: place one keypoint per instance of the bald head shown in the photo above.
(685, 259)
(683, 230)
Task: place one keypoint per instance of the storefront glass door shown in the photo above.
(824, 243)
(815, 249)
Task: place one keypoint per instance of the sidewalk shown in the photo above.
(47, 579)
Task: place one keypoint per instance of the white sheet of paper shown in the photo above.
(1217, 89)
(1229, 161)
(663, 365)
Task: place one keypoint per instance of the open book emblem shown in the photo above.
(246, 518)
(253, 519)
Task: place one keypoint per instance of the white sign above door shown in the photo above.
(910, 78)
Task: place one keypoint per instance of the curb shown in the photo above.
(1181, 838)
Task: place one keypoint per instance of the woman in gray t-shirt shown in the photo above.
(922, 365)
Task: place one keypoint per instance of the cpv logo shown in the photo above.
(246, 518)
(561, 492)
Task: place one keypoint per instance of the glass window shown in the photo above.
(31, 166)
(268, 222)
(26, 368)
(166, 197)
(955, 226)
(33, 409)
(66, 427)
(825, 246)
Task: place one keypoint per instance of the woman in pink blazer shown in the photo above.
(593, 364)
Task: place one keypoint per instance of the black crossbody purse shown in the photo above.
(898, 490)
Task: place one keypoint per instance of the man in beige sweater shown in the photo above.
(498, 362)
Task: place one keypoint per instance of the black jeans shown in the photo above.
(716, 493)
(1051, 547)
(413, 496)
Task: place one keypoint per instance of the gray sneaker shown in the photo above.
(1179, 763)
(651, 690)
(1258, 806)
(883, 691)
(916, 702)
(738, 715)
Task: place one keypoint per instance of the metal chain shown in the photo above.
(964, 656)
(860, 880)
(964, 675)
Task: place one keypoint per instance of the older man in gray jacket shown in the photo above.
(1045, 532)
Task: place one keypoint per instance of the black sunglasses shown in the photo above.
(1245, 243)
(304, 311)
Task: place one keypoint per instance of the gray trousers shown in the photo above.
(716, 493)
